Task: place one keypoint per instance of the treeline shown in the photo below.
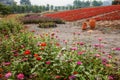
(26, 7)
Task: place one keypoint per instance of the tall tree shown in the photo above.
(25, 2)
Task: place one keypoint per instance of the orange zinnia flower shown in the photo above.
(35, 55)
(43, 44)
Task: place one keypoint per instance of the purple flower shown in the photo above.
(20, 76)
(72, 77)
(9, 74)
(79, 63)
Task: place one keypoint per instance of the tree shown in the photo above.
(97, 3)
(5, 10)
(25, 2)
(51, 7)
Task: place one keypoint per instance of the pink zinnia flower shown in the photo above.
(97, 55)
(20, 76)
(48, 62)
(7, 63)
(74, 48)
(110, 78)
(100, 39)
(81, 43)
(79, 63)
(80, 53)
(9, 74)
(109, 56)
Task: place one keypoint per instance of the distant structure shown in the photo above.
(7, 2)
(116, 2)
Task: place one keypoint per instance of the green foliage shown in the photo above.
(8, 27)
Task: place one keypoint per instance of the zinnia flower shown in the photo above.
(20, 76)
(72, 77)
(7, 63)
(1, 75)
(57, 77)
(43, 44)
(38, 58)
(9, 74)
(79, 63)
(48, 62)
(74, 48)
(35, 55)
(110, 78)
(27, 52)
(80, 53)
(97, 55)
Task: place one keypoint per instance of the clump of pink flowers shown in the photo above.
(9, 74)
(79, 63)
(20, 76)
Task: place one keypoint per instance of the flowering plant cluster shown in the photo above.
(24, 56)
(111, 16)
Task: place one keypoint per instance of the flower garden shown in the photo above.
(26, 56)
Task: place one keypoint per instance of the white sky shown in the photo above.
(51, 2)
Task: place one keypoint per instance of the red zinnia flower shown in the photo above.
(27, 52)
(75, 73)
(57, 77)
(1, 75)
(38, 58)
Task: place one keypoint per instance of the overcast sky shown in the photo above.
(52, 2)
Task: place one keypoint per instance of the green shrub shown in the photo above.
(47, 25)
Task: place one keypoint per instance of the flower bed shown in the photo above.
(108, 17)
(24, 56)
(73, 15)
(37, 18)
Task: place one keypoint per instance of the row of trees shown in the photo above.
(26, 7)
(79, 3)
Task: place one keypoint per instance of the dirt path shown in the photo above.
(111, 38)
